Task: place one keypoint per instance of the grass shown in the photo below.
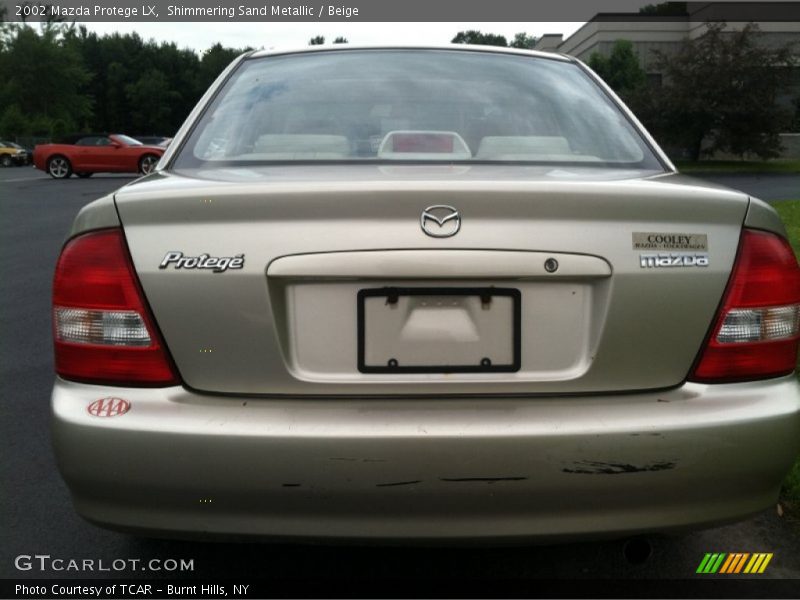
(790, 490)
(789, 210)
(739, 166)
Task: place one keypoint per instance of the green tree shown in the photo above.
(13, 122)
(214, 61)
(524, 41)
(720, 93)
(6, 29)
(317, 40)
(150, 98)
(44, 76)
(118, 62)
(115, 108)
(620, 69)
(63, 78)
(665, 9)
(478, 38)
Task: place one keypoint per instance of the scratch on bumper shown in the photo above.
(484, 468)
(593, 467)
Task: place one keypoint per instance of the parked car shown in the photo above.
(422, 293)
(154, 140)
(87, 154)
(27, 153)
(12, 154)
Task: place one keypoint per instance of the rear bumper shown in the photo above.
(181, 464)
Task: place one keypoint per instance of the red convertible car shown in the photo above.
(96, 153)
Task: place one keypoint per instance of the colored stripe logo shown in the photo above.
(734, 563)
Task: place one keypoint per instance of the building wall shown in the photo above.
(645, 50)
(791, 145)
(656, 34)
(598, 36)
(652, 33)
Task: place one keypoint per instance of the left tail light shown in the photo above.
(103, 330)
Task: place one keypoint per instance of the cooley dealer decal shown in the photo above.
(670, 241)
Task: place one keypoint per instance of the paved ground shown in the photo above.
(765, 187)
(37, 517)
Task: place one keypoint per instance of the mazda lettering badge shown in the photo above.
(440, 221)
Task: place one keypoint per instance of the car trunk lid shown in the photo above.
(329, 251)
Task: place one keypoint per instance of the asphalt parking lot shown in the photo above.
(38, 517)
(769, 187)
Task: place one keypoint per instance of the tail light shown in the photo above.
(756, 332)
(103, 330)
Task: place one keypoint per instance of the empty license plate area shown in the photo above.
(438, 330)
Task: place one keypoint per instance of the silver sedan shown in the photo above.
(422, 293)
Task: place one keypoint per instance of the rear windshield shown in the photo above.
(415, 106)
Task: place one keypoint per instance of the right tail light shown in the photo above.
(756, 331)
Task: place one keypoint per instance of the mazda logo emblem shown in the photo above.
(440, 221)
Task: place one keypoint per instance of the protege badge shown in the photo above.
(673, 259)
(217, 264)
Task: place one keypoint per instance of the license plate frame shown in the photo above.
(482, 292)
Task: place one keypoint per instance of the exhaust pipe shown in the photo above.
(637, 550)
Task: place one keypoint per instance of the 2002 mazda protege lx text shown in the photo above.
(422, 293)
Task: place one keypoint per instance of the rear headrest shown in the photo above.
(313, 145)
(522, 146)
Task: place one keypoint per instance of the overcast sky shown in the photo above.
(200, 36)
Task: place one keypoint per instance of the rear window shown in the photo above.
(93, 140)
(413, 105)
